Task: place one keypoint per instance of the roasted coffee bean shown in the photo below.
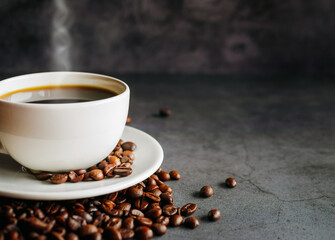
(141, 204)
(206, 191)
(152, 197)
(80, 171)
(143, 233)
(43, 176)
(188, 209)
(78, 205)
(174, 175)
(167, 198)
(157, 192)
(129, 154)
(153, 205)
(75, 222)
(113, 196)
(164, 112)
(159, 229)
(231, 182)
(85, 215)
(108, 170)
(165, 189)
(36, 224)
(71, 236)
(102, 164)
(163, 220)
(124, 206)
(136, 213)
(214, 215)
(169, 210)
(97, 174)
(143, 221)
(164, 176)
(112, 233)
(115, 213)
(96, 236)
(176, 220)
(120, 199)
(87, 177)
(114, 160)
(74, 177)
(158, 170)
(127, 233)
(150, 181)
(13, 235)
(129, 120)
(122, 172)
(115, 222)
(128, 222)
(151, 188)
(59, 178)
(129, 146)
(191, 222)
(135, 192)
(153, 213)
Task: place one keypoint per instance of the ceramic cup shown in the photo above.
(62, 137)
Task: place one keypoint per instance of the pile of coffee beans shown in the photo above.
(142, 211)
(117, 164)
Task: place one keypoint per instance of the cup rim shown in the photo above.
(76, 104)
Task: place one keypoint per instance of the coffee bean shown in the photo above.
(114, 160)
(122, 172)
(102, 164)
(143, 233)
(136, 213)
(231, 182)
(129, 120)
(166, 198)
(206, 191)
(152, 197)
(159, 229)
(128, 222)
(153, 213)
(164, 112)
(124, 206)
(127, 233)
(36, 224)
(143, 221)
(112, 196)
(141, 204)
(163, 176)
(176, 220)
(163, 220)
(112, 233)
(43, 176)
(151, 188)
(74, 177)
(115, 222)
(129, 146)
(150, 181)
(214, 215)
(80, 171)
(97, 174)
(59, 178)
(135, 192)
(129, 154)
(165, 189)
(188, 209)
(174, 175)
(72, 236)
(86, 216)
(191, 222)
(169, 210)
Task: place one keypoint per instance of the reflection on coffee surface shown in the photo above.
(58, 94)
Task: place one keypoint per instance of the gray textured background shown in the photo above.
(173, 36)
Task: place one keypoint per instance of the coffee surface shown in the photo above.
(58, 94)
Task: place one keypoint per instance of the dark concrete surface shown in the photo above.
(274, 135)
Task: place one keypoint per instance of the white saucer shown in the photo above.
(16, 183)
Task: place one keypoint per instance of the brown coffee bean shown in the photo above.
(114, 160)
(128, 154)
(151, 188)
(165, 188)
(102, 164)
(43, 176)
(108, 204)
(169, 210)
(13, 235)
(87, 177)
(135, 192)
(158, 170)
(174, 175)
(143, 233)
(129, 146)
(108, 170)
(36, 224)
(74, 177)
(150, 181)
(86, 216)
(206, 191)
(96, 236)
(163, 220)
(129, 120)
(124, 206)
(152, 197)
(141, 204)
(112, 233)
(153, 213)
(143, 221)
(122, 172)
(188, 209)
(113, 196)
(136, 213)
(231, 182)
(191, 222)
(127, 233)
(115, 222)
(214, 215)
(167, 198)
(97, 174)
(128, 222)
(59, 178)
(72, 236)
(176, 220)
(164, 176)
(164, 112)
(80, 171)
(159, 229)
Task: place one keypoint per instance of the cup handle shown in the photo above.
(2, 149)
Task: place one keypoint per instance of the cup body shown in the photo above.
(61, 137)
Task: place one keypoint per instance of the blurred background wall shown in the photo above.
(169, 36)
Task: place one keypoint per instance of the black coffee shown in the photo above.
(58, 94)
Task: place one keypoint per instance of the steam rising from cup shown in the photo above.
(60, 37)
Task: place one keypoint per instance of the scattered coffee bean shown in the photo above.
(206, 191)
(122, 171)
(43, 176)
(174, 175)
(59, 178)
(129, 146)
(164, 112)
(176, 220)
(159, 229)
(143, 221)
(143, 233)
(163, 220)
(87, 230)
(214, 215)
(188, 209)
(191, 222)
(97, 174)
(127, 233)
(163, 176)
(112, 233)
(135, 192)
(231, 182)
(169, 210)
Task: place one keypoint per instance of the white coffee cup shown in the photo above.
(61, 137)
